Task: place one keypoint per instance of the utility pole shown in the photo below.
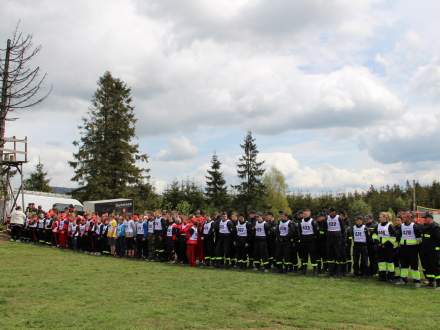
(4, 97)
(3, 113)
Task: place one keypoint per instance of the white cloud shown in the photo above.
(413, 138)
(324, 177)
(425, 84)
(178, 149)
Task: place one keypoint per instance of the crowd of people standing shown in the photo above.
(328, 243)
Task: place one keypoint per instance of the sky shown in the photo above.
(339, 94)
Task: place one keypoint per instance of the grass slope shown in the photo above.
(48, 288)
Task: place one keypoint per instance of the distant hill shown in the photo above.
(62, 190)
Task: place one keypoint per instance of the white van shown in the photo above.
(50, 200)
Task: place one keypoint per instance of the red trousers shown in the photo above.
(62, 240)
(191, 254)
(200, 251)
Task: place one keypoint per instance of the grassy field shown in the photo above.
(42, 287)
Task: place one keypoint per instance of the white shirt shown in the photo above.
(242, 229)
(150, 226)
(383, 230)
(359, 234)
(130, 228)
(259, 229)
(140, 227)
(306, 227)
(333, 223)
(158, 224)
(18, 217)
(224, 227)
(283, 227)
(170, 231)
(408, 232)
(207, 227)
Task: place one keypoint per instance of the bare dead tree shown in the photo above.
(21, 82)
(21, 85)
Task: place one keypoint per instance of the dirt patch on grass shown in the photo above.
(4, 237)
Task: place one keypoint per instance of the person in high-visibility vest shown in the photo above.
(408, 236)
(430, 250)
(385, 237)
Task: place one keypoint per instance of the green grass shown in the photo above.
(48, 288)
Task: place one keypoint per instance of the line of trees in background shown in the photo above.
(108, 164)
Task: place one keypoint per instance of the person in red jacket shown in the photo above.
(200, 221)
(182, 239)
(191, 244)
(63, 227)
(55, 231)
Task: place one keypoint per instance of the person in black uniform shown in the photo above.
(360, 238)
(252, 219)
(371, 246)
(430, 249)
(271, 238)
(284, 235)
(224, 234)
(321, 244)
(208, 241)
(242, 239)
(335, 230)
(48, 230)
(347, 243)
(159, 236)
(233, 260)
(261, 254)
(308, 233)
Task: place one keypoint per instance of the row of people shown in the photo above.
(328, 243)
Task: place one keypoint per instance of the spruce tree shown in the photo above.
(216, 191)
(38, 180)
(108, 163)
(250, 171)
